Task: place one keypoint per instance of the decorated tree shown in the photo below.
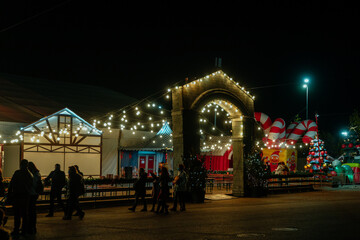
(197, 175)
(256, 176)
(317, 159)
(351, 147)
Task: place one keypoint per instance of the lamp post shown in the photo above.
(306, 81)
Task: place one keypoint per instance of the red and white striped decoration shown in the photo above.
(307, 126)
(290, 128)
(264, 120)
(277, 130)
(311, 131)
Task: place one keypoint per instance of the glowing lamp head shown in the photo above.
(306, 80)
(305, 86)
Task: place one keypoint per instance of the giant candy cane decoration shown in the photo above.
(307, 125)
(264, 120)
(290, 128)
(276, 131)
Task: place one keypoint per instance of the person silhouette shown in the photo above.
(36, 190)
(75, 189)
(20, 189)
(179, 189)
(58, 181)
(140, 190)
(155, 190)
(164, 191)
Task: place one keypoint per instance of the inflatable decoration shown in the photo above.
(290, 128)
(336, 163)
(275, 132)
(264, 120)
(348, 172)
(355, 169)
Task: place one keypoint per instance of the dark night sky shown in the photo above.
(139, 49)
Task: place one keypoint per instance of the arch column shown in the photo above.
(186, 139)
(238, 156)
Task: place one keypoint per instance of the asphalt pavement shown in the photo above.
(325, 214)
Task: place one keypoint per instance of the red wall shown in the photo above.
(219, 163)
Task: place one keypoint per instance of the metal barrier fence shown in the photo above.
(224, 183)
(98, 192)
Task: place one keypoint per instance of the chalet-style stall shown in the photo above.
(63, 138)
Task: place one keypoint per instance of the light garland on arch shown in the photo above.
(154, 121)
(220, 72)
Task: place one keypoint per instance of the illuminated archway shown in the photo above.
(220, 89)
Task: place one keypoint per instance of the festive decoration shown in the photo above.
(291, 161)
(272, 157)
(308, 127)
(355, 167)
(277, 130)
(317, 159)
(264, 120)
(290, 128)
(350, 148)
(148, 114)
(274, 160)
(197, 175)
(255, 176)
(276, 134)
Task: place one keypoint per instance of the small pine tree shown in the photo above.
(197, 175)
(256, 175)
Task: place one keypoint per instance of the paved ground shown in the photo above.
(327, 214)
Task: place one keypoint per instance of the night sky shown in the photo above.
(140, 49)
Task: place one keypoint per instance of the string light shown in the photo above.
(125, 119)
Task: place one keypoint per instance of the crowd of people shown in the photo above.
(26, 185)
(160, 190)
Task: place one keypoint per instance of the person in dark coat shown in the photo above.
(155, 190)
(36, 190)
(140, 190)
(75, 189)
(164, 191)
(19, 191)
(180, 189)
(58, 181)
